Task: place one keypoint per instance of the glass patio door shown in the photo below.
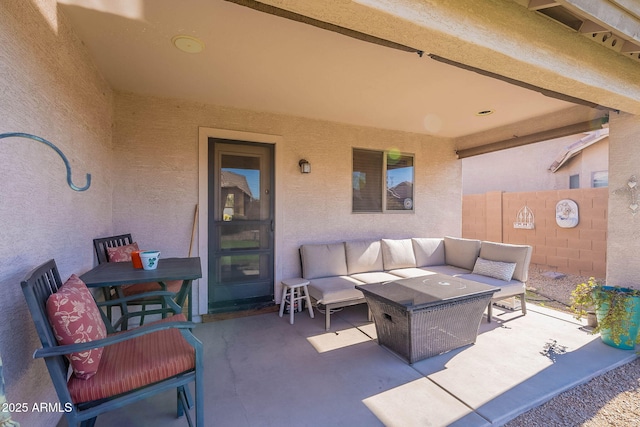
(240, 225)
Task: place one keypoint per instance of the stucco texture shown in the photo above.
(623, 244)
(156, 177)
(49, 88)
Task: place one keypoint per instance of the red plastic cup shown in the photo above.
(135, 259)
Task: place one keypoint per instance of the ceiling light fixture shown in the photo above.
(188, 44)
(484, 113)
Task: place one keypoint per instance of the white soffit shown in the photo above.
(262, 62)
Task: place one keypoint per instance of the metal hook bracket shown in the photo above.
(57, 150)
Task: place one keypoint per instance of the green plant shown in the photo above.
(612, 305)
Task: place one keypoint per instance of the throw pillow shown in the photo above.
(75, 318)
(496, 269)
(122, 253)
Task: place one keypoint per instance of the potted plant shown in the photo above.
(617, 310)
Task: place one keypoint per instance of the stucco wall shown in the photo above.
(156, 165)
(49, 88)
(526, 168)
(623, 267)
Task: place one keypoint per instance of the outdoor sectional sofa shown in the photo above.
(334, 270)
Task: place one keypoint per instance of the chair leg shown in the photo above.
(183, 405)
(106, 291)
(292, 304)
(308, 300)
(283, 302)
(523, 304)
(327, 318)
(187, 393)
(89, 423)
(144, 308)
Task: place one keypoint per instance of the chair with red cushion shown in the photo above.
(76, 336)
(118, 249)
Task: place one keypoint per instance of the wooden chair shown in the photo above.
(160, 355)
(101, 247)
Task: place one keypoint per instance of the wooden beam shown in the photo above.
(629, 47)
(591, 27)
(519, 141)
(545, 92)
(541, 4)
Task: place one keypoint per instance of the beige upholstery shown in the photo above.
(375, 277)
(329, 290)
(323, 260)
(398, 254)
(364, 256)
(334, 270)
(428, 251)
(520, 254)
(460, 252)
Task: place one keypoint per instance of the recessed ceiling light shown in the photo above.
(188, 44)
(484, 113)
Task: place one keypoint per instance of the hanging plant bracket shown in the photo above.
(57, 150)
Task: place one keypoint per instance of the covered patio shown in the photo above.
(430, 80)
(263, 371)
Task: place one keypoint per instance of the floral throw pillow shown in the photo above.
(122, 253)
(75, 318)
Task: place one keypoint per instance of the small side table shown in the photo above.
(295, 290)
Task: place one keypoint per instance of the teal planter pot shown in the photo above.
(627, 341)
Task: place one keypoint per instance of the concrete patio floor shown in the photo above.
(262, 371)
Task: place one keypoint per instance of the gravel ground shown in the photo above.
(612, 399)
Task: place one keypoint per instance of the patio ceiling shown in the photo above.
(262, 62)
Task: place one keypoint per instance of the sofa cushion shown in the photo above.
(428, 251)
(449, 270)
(460, 252)
(133, 363)
(496, 269)
(397, 253)
(364, 256)
(507, 289)
(375, 277)
(520, 254)
(323, 260)
(75, 318)
(408, 272)
(328, 290)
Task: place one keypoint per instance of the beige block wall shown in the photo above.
(623, 246)
(580, 250)
(156, 177)
(49, 88)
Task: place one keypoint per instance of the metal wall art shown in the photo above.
(567, 213)
(57, 150)
(632, 189)
(525, 219)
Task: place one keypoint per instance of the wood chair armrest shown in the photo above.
(112, 339)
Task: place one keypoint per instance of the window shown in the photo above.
(574, 181)
(600, 179)
(382, 181)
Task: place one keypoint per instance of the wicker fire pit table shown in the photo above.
(425, 316)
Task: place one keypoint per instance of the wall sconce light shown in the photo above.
(305, 166)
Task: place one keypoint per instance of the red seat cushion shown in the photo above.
(139, 288)
(135, 363)
(75, 318)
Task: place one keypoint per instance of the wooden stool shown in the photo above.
(294, 291)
